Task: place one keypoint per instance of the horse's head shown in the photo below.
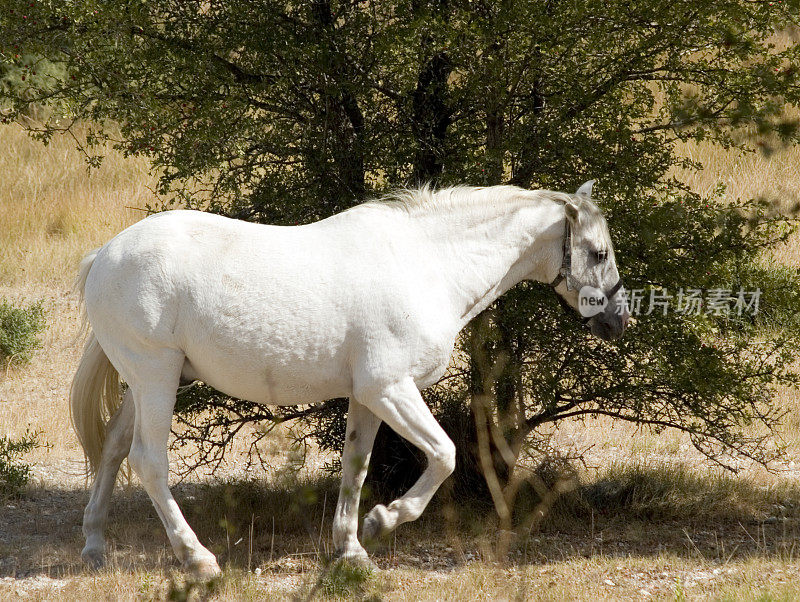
(588, 279)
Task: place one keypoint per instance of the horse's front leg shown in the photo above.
(401, 406)
(362, 425)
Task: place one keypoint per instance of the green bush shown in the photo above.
(19, 331)
(13, 474)
(345, 580)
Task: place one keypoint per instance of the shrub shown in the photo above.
(13, 474)
(19, 331)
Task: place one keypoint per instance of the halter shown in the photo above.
(565, 274)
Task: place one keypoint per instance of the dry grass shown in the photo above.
(651, 520)
(52, 211)
(657, 538)
(774, 176)
(663, 578)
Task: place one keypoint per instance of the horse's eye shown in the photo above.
(601, 256)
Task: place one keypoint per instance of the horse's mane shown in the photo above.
(427, 199)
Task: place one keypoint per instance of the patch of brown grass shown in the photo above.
(53, 210)
(773, 175)
(621, 551)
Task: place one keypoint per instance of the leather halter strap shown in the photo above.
(565, 273)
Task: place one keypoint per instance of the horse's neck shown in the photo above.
(483, 253)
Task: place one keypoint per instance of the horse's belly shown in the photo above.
(268, 346)
(272, 381)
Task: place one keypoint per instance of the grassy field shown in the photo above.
(52, 211)
(648, 519)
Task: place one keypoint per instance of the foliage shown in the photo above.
(14, 475)
(288, 112)
(19, 331)
(30, 76)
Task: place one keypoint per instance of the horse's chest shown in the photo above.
(432, 364)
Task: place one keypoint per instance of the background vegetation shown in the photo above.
(288, 113)
(642, 192)
(19, 338)
(646, 513)
(14, 474)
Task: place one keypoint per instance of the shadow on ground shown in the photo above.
(632, 511)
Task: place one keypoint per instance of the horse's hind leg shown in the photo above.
(154, 395)
(119, 434)
(362, 425)
(401, 406)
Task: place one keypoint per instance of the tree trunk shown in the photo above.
(429, 101)
(344, 120)
(431, 118)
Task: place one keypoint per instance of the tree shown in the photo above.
(289, 112)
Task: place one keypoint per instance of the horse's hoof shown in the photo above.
(375, 524)
(356, 559)
(204, 569)
(94, 558)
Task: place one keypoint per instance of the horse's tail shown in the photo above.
(80, 284)
(95, 392)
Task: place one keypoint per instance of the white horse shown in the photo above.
(365, 304)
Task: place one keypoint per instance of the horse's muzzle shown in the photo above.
(610, 325)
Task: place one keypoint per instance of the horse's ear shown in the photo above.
(571, 210)
(586, 189)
